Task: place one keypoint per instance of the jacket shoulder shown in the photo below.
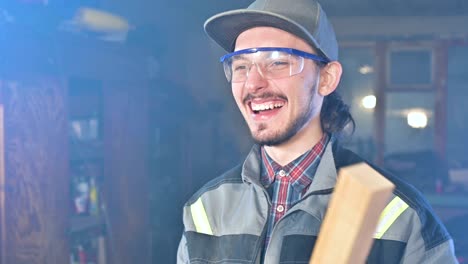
(231, 176)
(432, 230)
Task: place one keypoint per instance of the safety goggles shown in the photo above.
(271, 63)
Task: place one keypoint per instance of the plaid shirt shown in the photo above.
(287, 184)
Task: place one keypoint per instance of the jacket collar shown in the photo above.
(325, 177)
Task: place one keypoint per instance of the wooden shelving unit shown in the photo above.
(87, 223)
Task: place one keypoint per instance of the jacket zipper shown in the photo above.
(319, 192)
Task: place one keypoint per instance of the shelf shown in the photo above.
(84, 223)
(86, 150)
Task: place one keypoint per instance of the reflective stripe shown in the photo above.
(200, 219)
(393, 210)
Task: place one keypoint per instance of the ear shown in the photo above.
(330, 76)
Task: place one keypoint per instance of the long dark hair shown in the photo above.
(335, 115)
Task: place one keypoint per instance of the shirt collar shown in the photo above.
(301, 170)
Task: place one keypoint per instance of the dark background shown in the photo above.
(163, 121)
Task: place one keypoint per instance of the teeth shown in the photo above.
(265, 106)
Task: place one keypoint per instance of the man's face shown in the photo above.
(296, 103)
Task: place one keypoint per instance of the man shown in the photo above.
(283, 70)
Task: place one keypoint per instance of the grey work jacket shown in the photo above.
(225, 221)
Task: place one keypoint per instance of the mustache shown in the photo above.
(266, 95)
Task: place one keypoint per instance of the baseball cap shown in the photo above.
(303, 18)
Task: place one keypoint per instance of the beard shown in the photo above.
(279, 137)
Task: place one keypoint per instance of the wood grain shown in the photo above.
(346, 235)
(36, 185)
(126, 171)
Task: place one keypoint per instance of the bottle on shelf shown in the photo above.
(93, 197)
(81, 195)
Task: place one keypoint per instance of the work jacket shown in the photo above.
(226, 220)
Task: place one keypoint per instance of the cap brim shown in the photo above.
(224, 28)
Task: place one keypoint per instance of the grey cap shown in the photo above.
(303, 18)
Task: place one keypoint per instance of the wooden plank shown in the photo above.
(126, 171)
(346, 234)
(36, 205)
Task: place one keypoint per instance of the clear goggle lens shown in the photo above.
(269, 64)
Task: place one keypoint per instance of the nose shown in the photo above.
(255, 79)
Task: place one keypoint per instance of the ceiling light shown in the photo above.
(98, 20)
(369, 102)
(366, 69)
(417, 119)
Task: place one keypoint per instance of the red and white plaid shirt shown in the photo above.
(286, 184)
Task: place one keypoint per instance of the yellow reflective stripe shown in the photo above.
(393, 210)
(200, 219)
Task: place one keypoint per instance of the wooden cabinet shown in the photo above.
(126, 170)
(109, 143)
(88, 218)
(34, 179)
(37, 220)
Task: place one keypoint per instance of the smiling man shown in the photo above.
(283, 68)
(279, 91)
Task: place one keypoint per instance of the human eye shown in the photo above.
(239, 66)
(278, 64)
